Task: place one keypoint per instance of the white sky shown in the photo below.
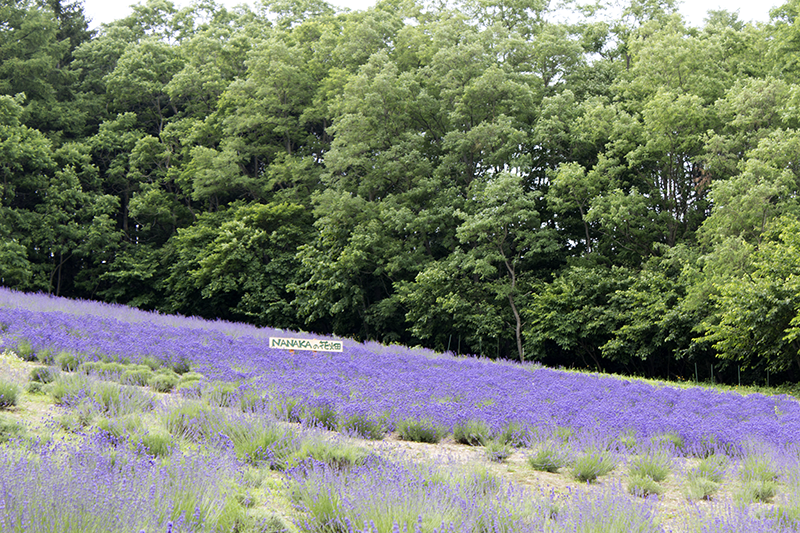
(100, 11)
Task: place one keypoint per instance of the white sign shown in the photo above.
(314, 345)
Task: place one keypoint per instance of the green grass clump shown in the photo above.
(24, 350)
(644, 486)
(69, 389)
(137, 375)
(10, 429)
(337, 455)
(547, 458)
(363, 426)
(514, 434)
(193, 420)
(322, 416)
(420, 430)
(163, 382)
(288, 408)
(259, 441)
(119, 427)
(497, 451)
(472, 433)
(670, 440)
(759, 480)
(655, 465)
(154, 444)
(180, 367)
(704, 480)
(44, 374)
(222, 394)
(67, 361)
(588, 467)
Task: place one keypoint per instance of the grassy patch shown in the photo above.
(547, 458)
(9, 394)
(472, 433)
(589, 466)
(363, 426)
(424, 430)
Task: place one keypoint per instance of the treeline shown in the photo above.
(619, 191)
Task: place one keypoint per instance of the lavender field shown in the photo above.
(134, 403)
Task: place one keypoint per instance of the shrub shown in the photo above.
(757, 468)
(472, 433)
(44, 374)
(363, 426)
(712, 467)
(154, 444)
(119, 428)
(564, 433)
(644, 486)
(288, 408)
(655, 466)
(190, 389)
(497, 451)
(180, 367)
(24, 350)
(323, 415)
(590, 466)
(70, 389)
(547, 458)
(45, 356)
(258, 442)
(67, 361)
(335, 455)
(757, 491)
(700, 488)
(138, 375)
(704, 480)
(35, 387)
(222, 394)
(153, 363)
(671, 440)
(194, 420)
(515, 435)
(420, 430)
(162, 382)
(117, 399)
(10, 429)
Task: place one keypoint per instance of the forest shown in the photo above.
(593, 185)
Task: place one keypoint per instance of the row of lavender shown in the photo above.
(399, 383)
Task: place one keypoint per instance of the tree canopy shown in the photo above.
(610, 189)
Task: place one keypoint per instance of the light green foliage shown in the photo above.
(472, 433)
(497, 451)
(514, 434)
(644, 486)
(44, 374)
(655, 465)
(221, 393)
(547, 458)
(703, 481)
(9, 394)
(589, 466)
(193, 420)
(67, 362)
(420, 430)
(24, 350)
(137, 375)
(364, 426)
(10, 429)
(162, 381)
